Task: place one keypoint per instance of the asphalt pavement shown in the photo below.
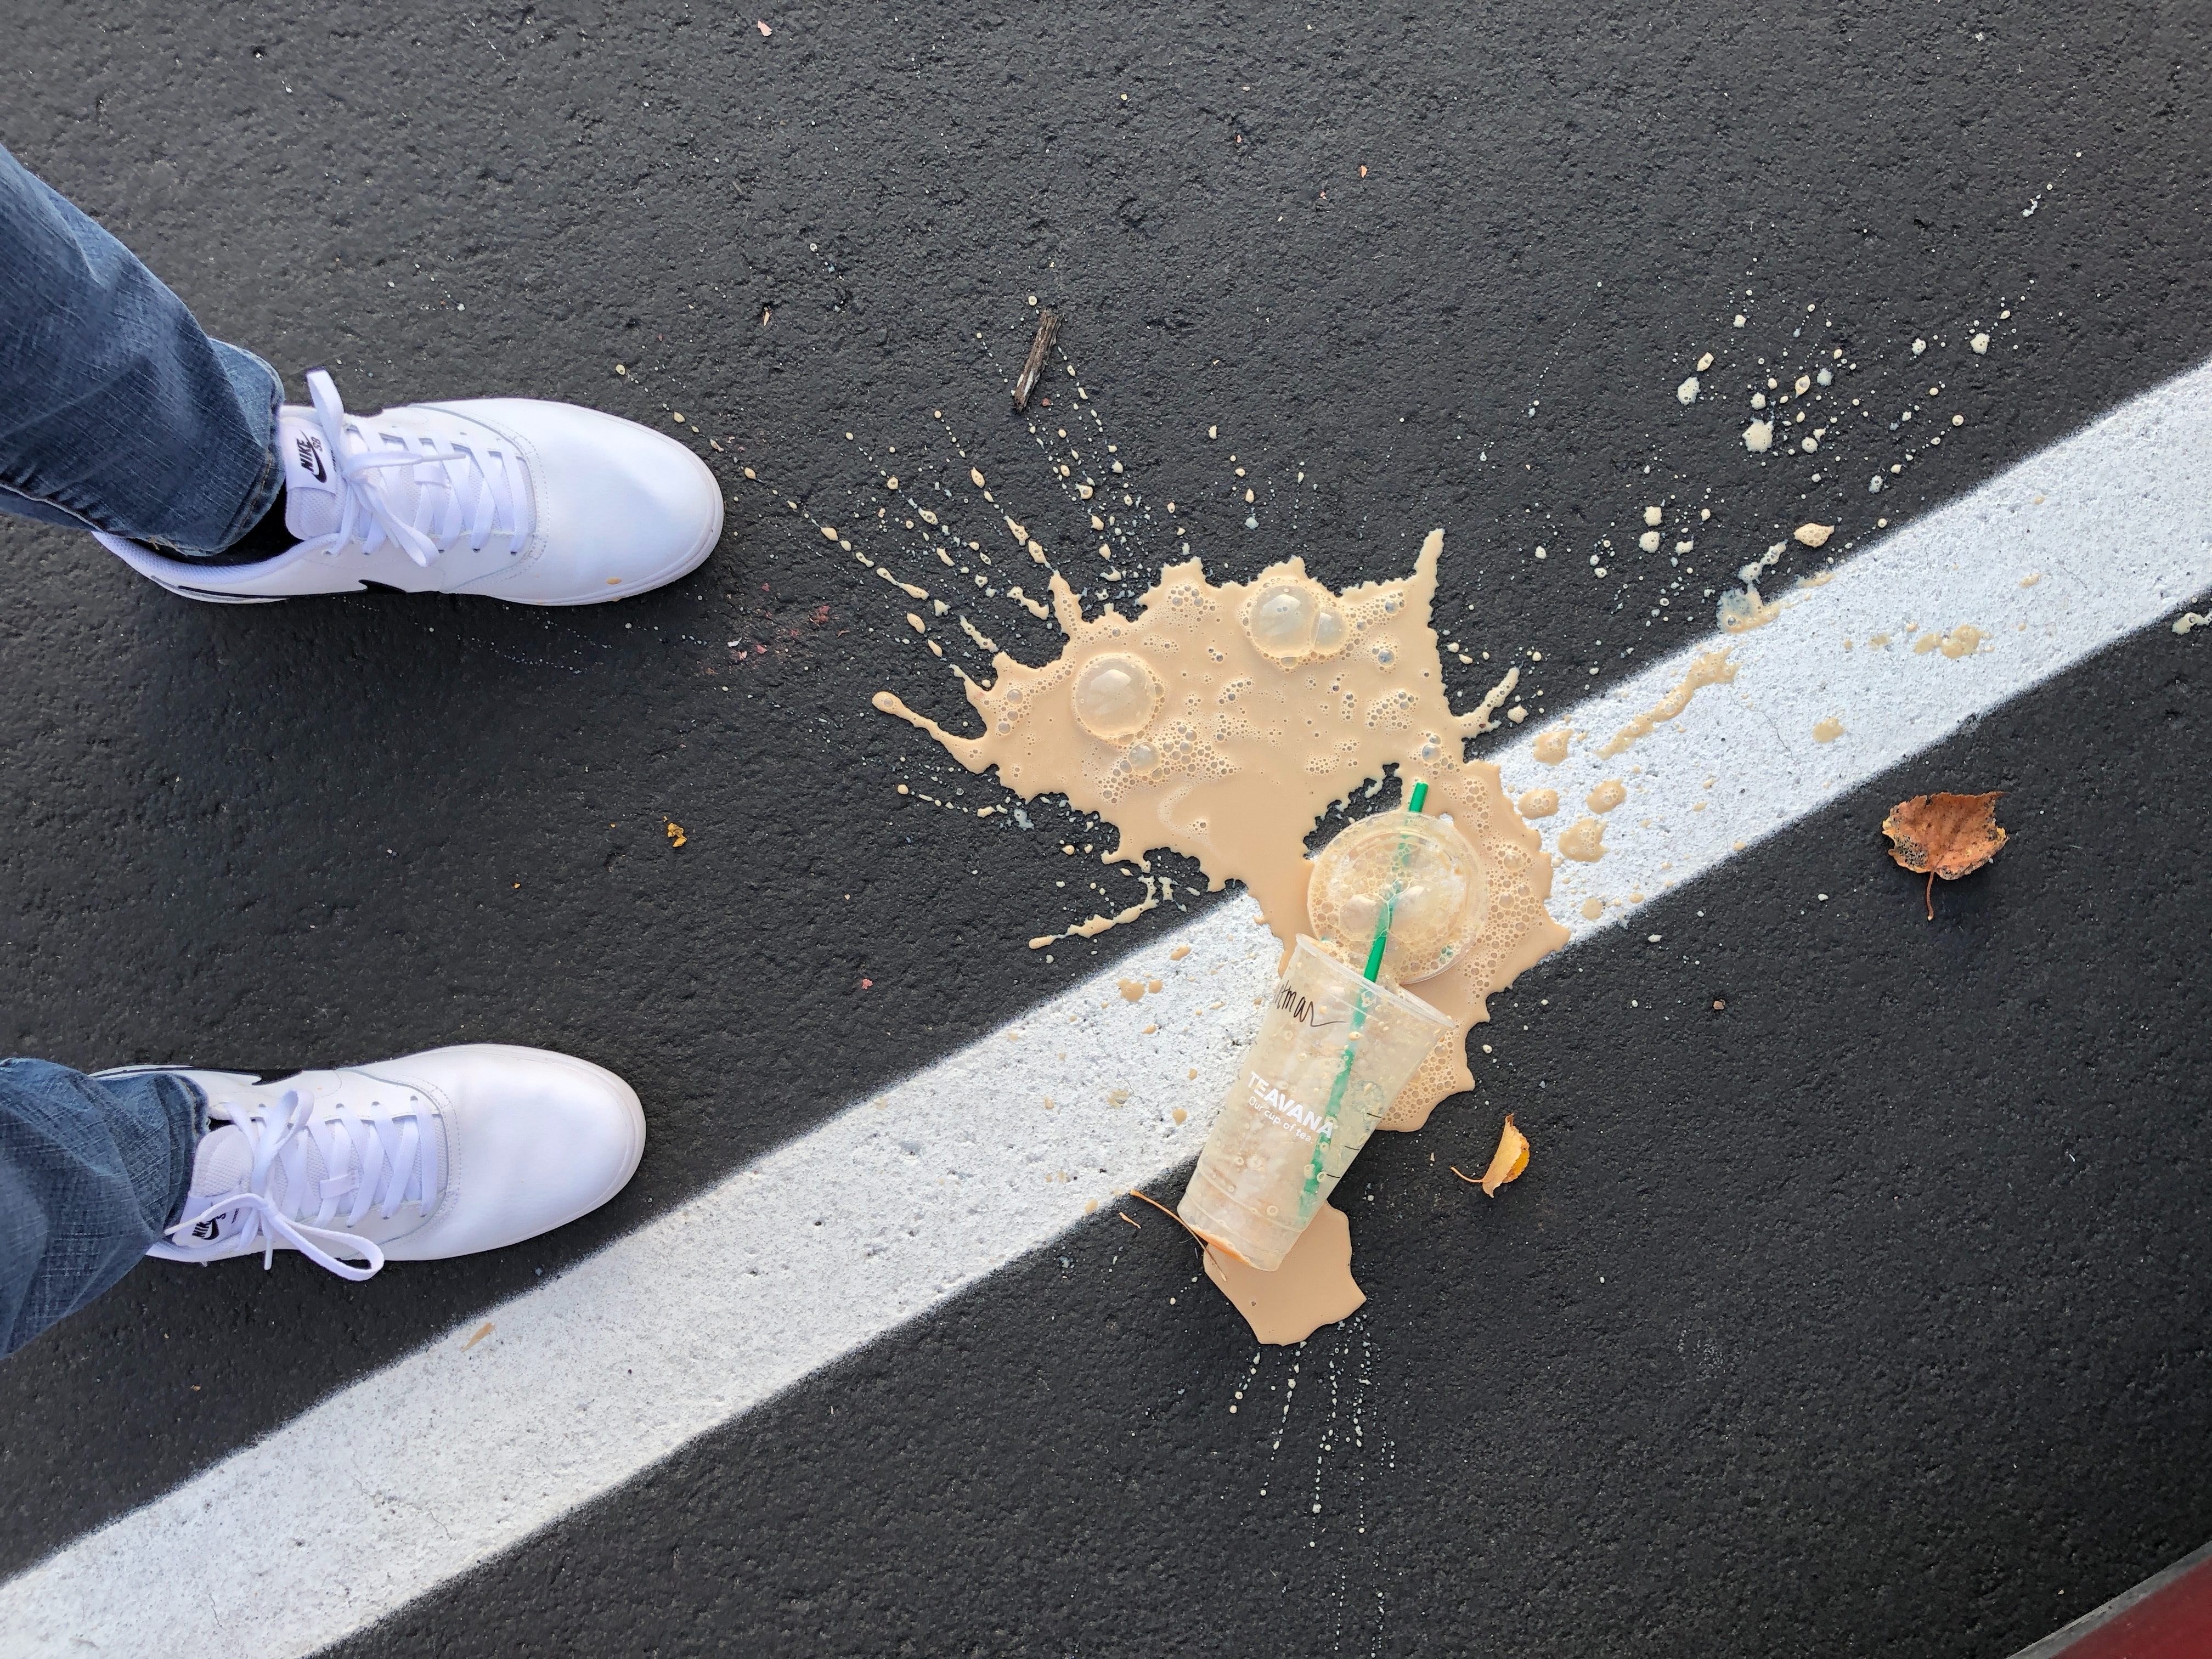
(1864, 1313)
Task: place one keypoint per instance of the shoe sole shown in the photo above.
(183, 593)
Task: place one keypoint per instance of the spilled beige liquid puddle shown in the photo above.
(1314, 1286)
(1221, 721)
(1179, 792)
(1538, 802)
(1583, 841)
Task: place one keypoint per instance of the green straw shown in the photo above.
(1415, 802)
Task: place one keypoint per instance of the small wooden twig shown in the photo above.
(1047, 325)
(1126, 1216)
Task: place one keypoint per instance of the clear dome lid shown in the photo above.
(1436, 889)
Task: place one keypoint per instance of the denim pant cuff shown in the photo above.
(118, 413)
(260, 391)
(192, 1123)
(92, 1170)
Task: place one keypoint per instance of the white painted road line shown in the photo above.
(2110, 531)
(395, 1485)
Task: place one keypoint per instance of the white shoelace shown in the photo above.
(457, 490)
(376, 1157)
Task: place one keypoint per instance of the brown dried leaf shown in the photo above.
(1944, 834)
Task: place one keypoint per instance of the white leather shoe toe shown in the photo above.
(621, 509)
(534, 1139)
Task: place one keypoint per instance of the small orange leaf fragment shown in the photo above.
(1944, 834)
(1506, 1165)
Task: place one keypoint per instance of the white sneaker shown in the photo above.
(437, 1154)
(538, 503)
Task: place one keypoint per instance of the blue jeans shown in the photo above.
(91, 1172)
(116, 412)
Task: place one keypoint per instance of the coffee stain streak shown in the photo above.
(1477, 720)
(1097, 924)
(843, 540)
(1130, 538)
(907, 588)
(1713, 668)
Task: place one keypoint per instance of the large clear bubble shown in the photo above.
(1115, 696)
(1289, 619)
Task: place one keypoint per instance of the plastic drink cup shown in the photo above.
(1332, 1054)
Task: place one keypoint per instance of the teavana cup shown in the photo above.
(1277, 1149)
